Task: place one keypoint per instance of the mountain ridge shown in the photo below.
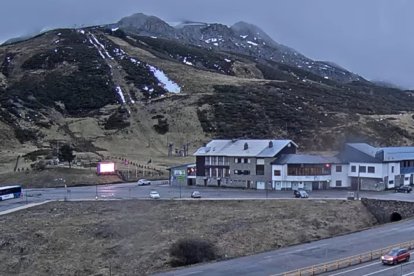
(107, 92)
(241, 37)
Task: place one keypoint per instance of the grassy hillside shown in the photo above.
(65, 86)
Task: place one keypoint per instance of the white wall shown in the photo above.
(340, 176)
(379, 170)
(388, 167)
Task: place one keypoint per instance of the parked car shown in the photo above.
(143, 182)
(300, 194)
(396, 256)
(196, 194)
(403, 189)
(154, 195)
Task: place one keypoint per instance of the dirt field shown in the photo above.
(133, 237)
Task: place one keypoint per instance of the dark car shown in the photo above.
(403, 189)
(396, 256)
(300, 194)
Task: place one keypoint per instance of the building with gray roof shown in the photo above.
(241, 163)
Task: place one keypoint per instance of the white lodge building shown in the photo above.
(373, 168)
(309, 172)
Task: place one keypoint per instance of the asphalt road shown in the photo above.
(132, 191)
(376, 268)
(287, 259)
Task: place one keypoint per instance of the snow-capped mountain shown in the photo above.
(242, 38)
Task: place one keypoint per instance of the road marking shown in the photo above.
(408, 274)
(350, 270)
(378, 271)
(382, 270)
(190, 273)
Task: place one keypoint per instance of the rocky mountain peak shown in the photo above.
(146, 25)
(241, 38)
(245, 29)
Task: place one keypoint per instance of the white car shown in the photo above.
(143, 182)
(154, 195)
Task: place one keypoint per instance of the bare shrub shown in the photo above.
(192, 251)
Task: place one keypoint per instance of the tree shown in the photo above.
(66, 154)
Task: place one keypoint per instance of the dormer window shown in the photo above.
(246, 146)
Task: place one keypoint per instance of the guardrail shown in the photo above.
(345, 262)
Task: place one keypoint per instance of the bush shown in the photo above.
(191, 251)
(162, 127)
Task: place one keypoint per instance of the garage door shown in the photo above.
(260, 185)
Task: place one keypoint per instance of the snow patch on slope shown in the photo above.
(168, 84)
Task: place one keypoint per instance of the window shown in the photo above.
(260, 162)
(392, 169)
(226, 160)
(362, 169)
(240, 172)
(338, 168)
(237, 160)
(371, 169)
(353, 168)
(391, 182)
(259, 169)
(276, 172)
(406, 178)
(338, 183)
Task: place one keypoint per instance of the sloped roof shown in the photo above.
(182, 165)
(397, 153)
(305, 159)
(359, 152)
(255, 148)
(365, 148)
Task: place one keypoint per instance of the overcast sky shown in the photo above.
(373, 38)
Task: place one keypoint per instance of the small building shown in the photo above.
(368, 167)
(243, 163)
(183, 175)
(309, 172)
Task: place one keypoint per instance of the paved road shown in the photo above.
(286, 259)
(377, 269)
(131, 190)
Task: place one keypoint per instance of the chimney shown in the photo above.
(270, 144)
(246, 146)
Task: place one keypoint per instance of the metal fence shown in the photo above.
(345, 262)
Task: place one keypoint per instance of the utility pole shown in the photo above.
(358, 184)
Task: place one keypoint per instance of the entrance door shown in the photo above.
(260, 185)
(315, 185)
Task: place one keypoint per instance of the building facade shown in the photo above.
(239, 163)
(309, 172)
(182, 175)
